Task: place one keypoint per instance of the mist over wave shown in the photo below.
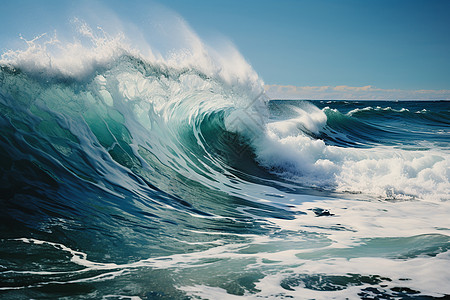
(131, 172)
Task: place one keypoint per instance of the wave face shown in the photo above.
(125, 175)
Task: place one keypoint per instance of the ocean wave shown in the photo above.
(144, 112)
(174, 176)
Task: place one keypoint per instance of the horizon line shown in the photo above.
(345, 92)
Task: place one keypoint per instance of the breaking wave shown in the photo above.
(174, 161)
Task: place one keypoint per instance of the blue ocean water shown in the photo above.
(128, 177)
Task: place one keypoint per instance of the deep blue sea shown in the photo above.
(124, 177)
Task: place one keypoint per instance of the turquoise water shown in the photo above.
(131, 178)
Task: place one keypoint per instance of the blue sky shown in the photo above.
(392, 46)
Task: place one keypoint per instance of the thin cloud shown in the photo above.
(345, 92)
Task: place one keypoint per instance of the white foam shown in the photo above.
(88, 50)
(385, 172)
(307, 245)
(76, 59)
(377, 108)
(352, 224)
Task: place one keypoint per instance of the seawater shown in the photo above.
(131, 176)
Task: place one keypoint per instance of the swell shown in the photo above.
(347, 131)
(402, 127)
